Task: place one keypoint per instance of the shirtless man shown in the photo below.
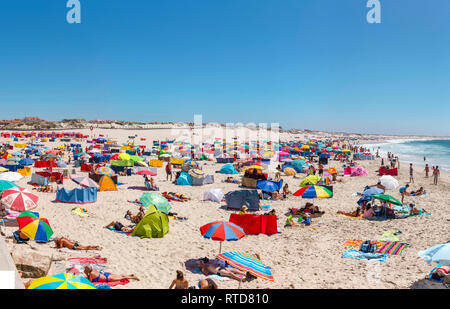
(99, 276)
(66, 243)
(221, 270)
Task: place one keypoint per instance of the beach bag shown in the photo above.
(368, 247)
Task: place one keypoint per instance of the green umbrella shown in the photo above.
(387, 198)
(159, 201)
(136, 158)
(5, 185)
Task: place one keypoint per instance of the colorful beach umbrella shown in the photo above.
(289, 171)
(11, 176)
(248, 263)
(124, 156)
(104, 170)
(387, 198)
(314, 192)
(61, 281)
(86, 182)
(5, 185)
(146, 172)
(156, 199)
(19, 199)
(34, 226)
(222, 231)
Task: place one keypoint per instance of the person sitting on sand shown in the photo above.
(367, 211)
(243, 210)
(120, 227)
(63, 242)
(137, 217)
(415, 211)
(270, 213)
(99, 276)
(224, 271)
(286, 190)
(441, 272)
(207, 284)
(180, 283)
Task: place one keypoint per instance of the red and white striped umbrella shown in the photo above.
(19, 199)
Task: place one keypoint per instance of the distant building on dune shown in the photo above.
(31, 119)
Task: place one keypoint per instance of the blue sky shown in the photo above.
(305, 64)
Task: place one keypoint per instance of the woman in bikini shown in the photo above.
(137, 217)
(441, 272)
(179, 282)
(100, 276)
(66, 243)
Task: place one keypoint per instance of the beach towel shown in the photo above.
(112, 284)
(220, 278)
(82, 212)
(393, 248)
(71, 251)
(358, 242)
(354, 254)
(114, 230)
(389, 236)
(428, 277)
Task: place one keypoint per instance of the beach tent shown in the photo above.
(26, 161)
(269, 185)
(107, 184)
(204, 180)
(239, 198)
(155, 224)
(39, 180)
(228, 169)
(215, 195)
(76, 196)
(184, 179)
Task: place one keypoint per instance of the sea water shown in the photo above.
(436, 152)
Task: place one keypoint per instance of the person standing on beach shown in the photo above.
(411, 173)
(169, 171)
(436, 174)
(427, 170)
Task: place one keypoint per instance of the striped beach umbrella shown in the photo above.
(19, 199)
(86, 182)
(34, 226)
(248, 263)
(314, 192)
(221, 231)
(104, 170)
(62, 281)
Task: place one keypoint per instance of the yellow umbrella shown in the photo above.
(2, 169)
(124, 156)
(61, 281)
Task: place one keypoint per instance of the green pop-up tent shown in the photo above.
(155, 224)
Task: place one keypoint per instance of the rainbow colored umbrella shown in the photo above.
(19, 199)
(34, 226)
(314, 192)
(104, 170)
(62, 281)
(221, 231)
(248, 263)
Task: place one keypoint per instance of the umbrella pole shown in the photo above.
(220, 248)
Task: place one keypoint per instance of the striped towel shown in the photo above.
(393, 248)
(357, 243)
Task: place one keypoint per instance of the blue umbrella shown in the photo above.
(439, 254)
(269, 186)
(26, 161)
(373, 191)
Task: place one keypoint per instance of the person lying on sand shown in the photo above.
(206, 284)
(355, 214)
(62, 242)
(419, 192)
(220, 270)
(137, 217)
(120, 227)
(176, 197)
(99, 276)
(441, 272)
(379, 185)
(232, 180)
(311, 209)
(20, 237)
(179, 282)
